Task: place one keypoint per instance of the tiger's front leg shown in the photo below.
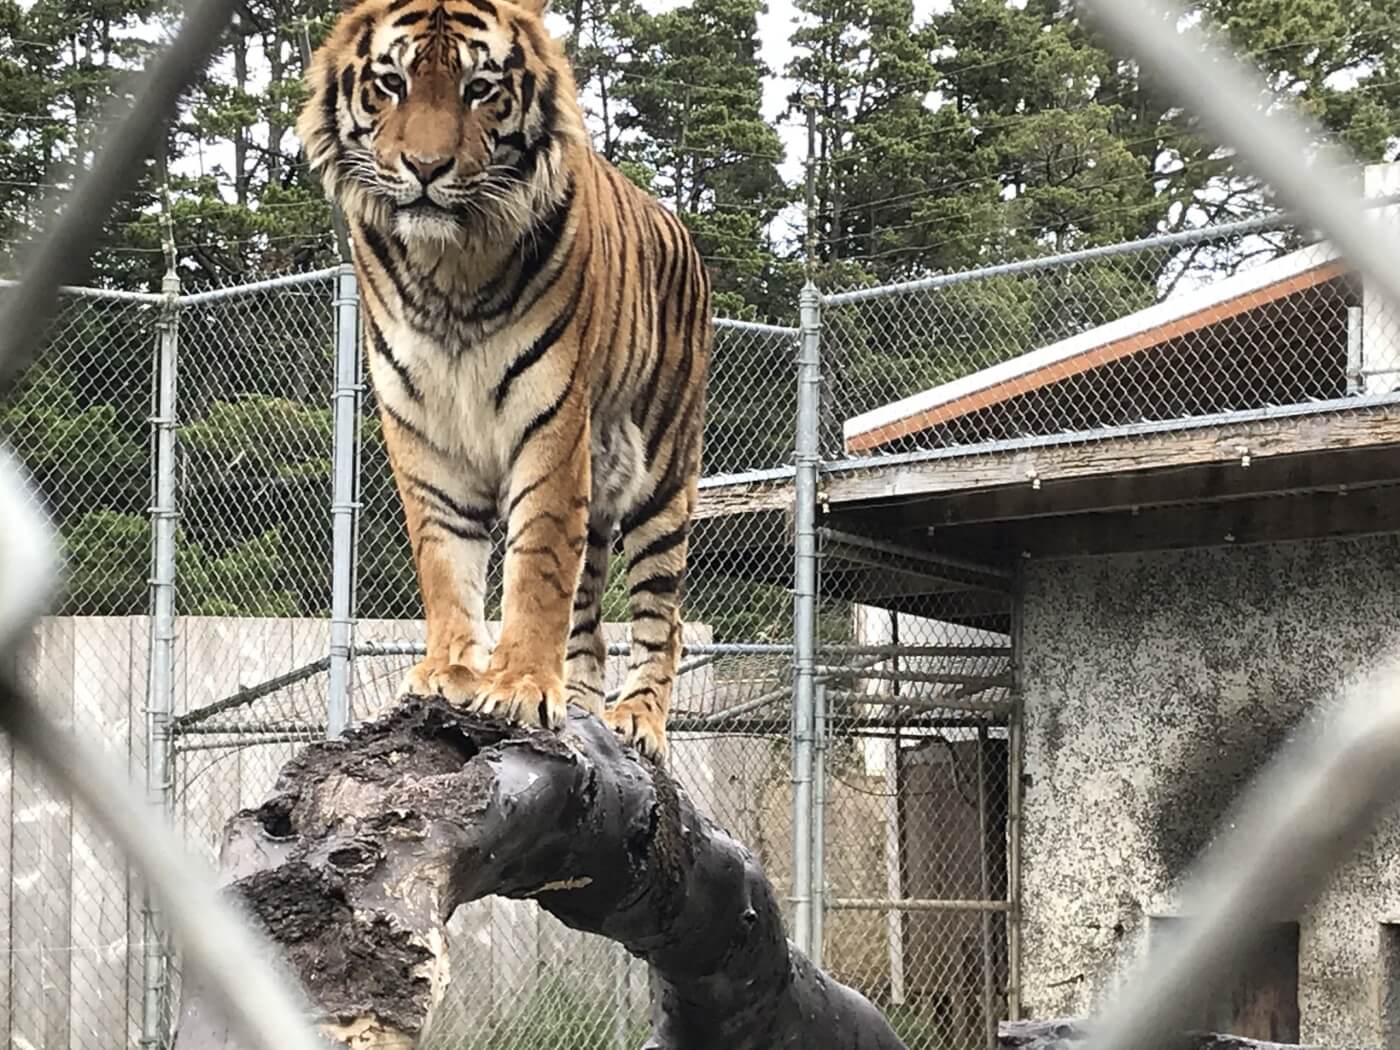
(546, 522)
(449, 532)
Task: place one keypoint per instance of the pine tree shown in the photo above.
(694, 129)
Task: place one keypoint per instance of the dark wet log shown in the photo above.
(367, 846)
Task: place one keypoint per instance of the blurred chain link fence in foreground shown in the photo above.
(888, 817)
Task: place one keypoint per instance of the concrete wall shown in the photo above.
(1155, 687)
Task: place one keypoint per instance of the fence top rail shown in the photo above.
(1184, 238)
(271, 284)
(114, 295)
(756, 327)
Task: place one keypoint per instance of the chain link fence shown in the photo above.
(900, 861)
(70, 909)
(1216, 326)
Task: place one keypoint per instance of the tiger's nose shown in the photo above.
(427, 170)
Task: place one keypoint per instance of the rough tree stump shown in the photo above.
(368, 844)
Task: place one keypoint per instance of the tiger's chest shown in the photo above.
(450, 398)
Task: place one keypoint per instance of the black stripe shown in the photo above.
(549, 100)
(519, 496)
(516, 58)
(415, 431)
(539, 347)
(480, 515)
(537, 247)
(362, 44)
(485, 6)
(665, 584)
(467, 531)
(330, 105)
(556, 583)
(527, 94)
(658, 501)
(700, 292)
(584, 627)
(398, 5)
(381, 347)
(544, 417)
(379, 247)
(469, 20)
(530, 522)
(651, 647)
(412, 18)
(660, 545)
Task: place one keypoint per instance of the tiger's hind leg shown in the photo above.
(587, 655)
(655, 543)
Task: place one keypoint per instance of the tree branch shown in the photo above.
(369, 844)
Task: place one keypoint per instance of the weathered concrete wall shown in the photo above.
(1155, 687)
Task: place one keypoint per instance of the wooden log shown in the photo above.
(1065, 1033)
(368, 845)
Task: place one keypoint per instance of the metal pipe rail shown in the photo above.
(914, 904)
(261, 1002)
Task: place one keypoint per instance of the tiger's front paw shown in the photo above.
(458, 685)
(639, 722)
(418, 681)
(532, 698)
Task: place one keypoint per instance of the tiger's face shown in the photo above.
(440, 118)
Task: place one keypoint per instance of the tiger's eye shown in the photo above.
(478, 88)
(392, 83)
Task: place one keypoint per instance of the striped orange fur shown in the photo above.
(538, 332)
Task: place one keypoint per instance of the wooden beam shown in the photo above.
(718, 501)
(1315, 515)
(1303, 472)
(1264, 439)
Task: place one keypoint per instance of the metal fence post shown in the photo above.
(1014, 744)
(345, 454)
(160, 699)
(818, 878)
(807, 460)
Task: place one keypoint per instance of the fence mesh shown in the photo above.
(70, 909)
(1091, 346)
(912, 829)
(916, 700)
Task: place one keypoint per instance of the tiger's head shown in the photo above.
(442, 119)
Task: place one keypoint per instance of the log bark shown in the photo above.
(1066, 1033)
(368, 844)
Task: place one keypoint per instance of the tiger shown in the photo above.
(538, 330)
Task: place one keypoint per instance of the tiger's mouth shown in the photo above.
(425, 206)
